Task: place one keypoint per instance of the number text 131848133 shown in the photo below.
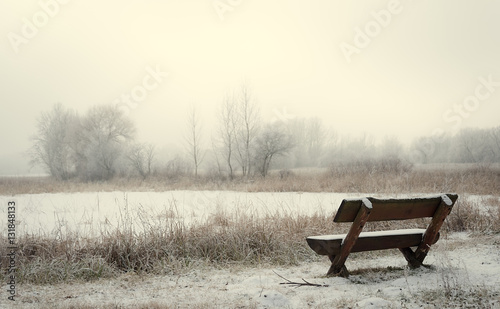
(12, 247)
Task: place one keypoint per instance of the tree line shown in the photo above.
(101, 144)
(469, 145)
(91, 146)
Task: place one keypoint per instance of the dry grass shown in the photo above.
(167, 246)
(481, 215)
(145, 305)
(455, 290)
(388, 177)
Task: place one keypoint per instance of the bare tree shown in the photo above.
(298, 132)
(332, 147)
(309, 135)
(216, 152)
(469, 145)
(141, 158)
(472, 146)
(227, 130)
(357, 148)
(150, 151)
(90, 146)
(273, 141)
(248, 118)
(495, 137)
(102, 138)
(193, 140)
(315, 139)
(52, 142)
(391, 147)
(177, 167)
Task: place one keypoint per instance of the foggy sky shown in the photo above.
(388, 68)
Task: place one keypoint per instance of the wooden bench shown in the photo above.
(360, 211)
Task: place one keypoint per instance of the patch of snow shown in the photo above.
(470, 264)
(459, 235)
(260, 287)
(392, 291)
(273, 299)
(373, 303)
(367, 203)
(92, 213)
(371, 234)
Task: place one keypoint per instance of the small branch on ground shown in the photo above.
(299, 284)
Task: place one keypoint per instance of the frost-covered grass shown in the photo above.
(167, 245)
(191, 229)
(460, 277)
(475, 214)
(90, 233)
(353, 177)
(454, 288)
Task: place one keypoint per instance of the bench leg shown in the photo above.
(432, 231)
(337, 270)
(415, 259)
(410, 256)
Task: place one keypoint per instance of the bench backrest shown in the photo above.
(392, 209)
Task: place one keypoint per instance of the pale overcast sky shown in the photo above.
(403, 68)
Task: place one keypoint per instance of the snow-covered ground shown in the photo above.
(466, 265)
(89, 214)
(471, 273)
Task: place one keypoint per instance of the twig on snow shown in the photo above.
(299, 284)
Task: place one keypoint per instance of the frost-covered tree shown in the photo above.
(391, 148)
(226, 139)
(52, 143)
(102, 138)
(247, 126)
(141, 158)
(273, 141)
(194, 140)
(495, 142)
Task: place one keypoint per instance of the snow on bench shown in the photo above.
(359, 211)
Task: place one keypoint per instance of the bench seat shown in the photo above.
(368, 241)
(364, 210)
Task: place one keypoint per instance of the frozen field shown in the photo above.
(89, 214)
(470, 274)
(464, 266)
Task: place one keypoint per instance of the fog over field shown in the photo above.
(181, 154)
(383, 69)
